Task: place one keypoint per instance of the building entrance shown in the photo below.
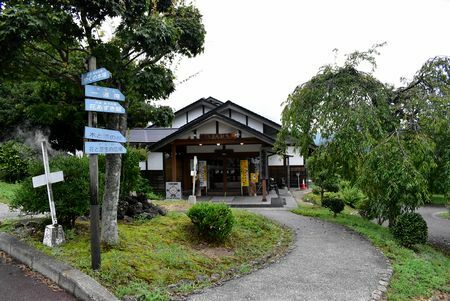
(224, 176)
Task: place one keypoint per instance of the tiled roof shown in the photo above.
(149, 135)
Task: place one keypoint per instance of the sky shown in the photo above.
(258, 51)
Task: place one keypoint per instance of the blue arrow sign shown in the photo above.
(104, 148)
(102, 134)
(102, 92)
(103, 106)
(95, 76)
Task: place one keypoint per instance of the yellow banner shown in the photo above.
(254, 177)
(244, 173)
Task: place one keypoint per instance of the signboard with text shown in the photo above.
(244, 173)
(104, 106)
(95, 76)
(103, 92)
(104, 135)
(91, 148)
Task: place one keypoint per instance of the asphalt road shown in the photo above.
(22, 284)
(438, 228)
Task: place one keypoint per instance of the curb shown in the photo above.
(75, 282)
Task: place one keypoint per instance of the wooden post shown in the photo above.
(93, 187)
(174, 162)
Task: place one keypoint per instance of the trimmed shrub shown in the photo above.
(71, 196)
(15, 159)
(131, 179)
(410, 229)
(213, 221)
(334, 204)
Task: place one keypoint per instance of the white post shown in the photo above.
(49, 184)
(192, 198)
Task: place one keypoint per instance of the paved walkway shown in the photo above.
(438, 228)
(329, 262)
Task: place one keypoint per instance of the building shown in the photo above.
(233, 146)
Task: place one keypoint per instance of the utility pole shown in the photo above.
(93, 176)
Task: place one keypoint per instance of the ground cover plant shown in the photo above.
(7, 192)
(417, 273)
(164, 257)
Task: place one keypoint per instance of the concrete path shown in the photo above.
(438, 228)
(329, 262)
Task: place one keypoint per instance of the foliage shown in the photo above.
(351, 195)
(323, 171)
(15, 159)
(334, 204)
(164, 251)
(131, 179)
(391, 177)
(49, 41)
(439, 199)
(410, 229)
(7, 192)
(417, 274)
(71, 196)
(213, 221)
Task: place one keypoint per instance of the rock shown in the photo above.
(201, 278)
(128, 219)
(129, 298)
(214, 277)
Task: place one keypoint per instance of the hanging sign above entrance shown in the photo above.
(219, 136)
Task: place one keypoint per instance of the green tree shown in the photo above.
(49, 41)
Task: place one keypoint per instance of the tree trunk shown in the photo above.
(110, 232)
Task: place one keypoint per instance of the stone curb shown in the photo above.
(80, 285)
(383, 284)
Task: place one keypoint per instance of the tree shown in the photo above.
(391, 142)
(49, 41)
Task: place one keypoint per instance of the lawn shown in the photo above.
(417, 274)
(164, 257)
(444, 215)
(438, 199)
(7, 192)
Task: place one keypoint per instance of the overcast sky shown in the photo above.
(258, 51)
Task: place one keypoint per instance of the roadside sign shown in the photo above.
(102, 92)
(104, 106)
(104, 135)
(103, 148)
(53, 177)
(95, 76)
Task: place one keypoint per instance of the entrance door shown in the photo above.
(224, 176)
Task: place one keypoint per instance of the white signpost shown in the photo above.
(54, 234)
(192, 198)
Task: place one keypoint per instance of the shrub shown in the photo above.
(213, 221)
(71, 196)
(15, 159)
(334, 204)
(351, 196)
(131, 179)
(410, 229)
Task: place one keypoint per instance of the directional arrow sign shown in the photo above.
(53, 177)
(102, 134)
(102, 92)
(103, 106)
(95, 76)
(104, 148)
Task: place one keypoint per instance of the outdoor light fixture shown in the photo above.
(200, 144)
(218, 144)
(242, 143)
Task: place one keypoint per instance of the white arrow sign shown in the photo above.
(53, 177)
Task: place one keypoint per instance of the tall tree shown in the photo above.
(51, 39)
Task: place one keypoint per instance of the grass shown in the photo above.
(417, 274)
(439, 199)
(7, 192)
(445, 215)
(164, 256)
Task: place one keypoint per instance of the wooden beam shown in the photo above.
(215, 141)
(174, 163)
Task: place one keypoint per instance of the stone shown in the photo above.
(382, 288)
(53, 236)
(201, 278)
(384, 283)
(129, 298)
(215, 277)
(192, 199)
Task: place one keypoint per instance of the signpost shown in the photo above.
(112, 145)
(104, 106)
(54, 234)
(104, 93)
(192, 199)
(104, 135)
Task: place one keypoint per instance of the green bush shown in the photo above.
(213, 221)
(131, 179)
(334, 204)
(71, 196)
(351, 196)
(410, 229)
(15, 159)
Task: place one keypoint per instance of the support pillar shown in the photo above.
(174, 162)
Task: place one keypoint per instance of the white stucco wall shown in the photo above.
(275, 160)
(226, 129)
(255, 125)
(195, 113)
(155, 161)
(209, 128)
(297, 159)
(238, 117)
(179, 121)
